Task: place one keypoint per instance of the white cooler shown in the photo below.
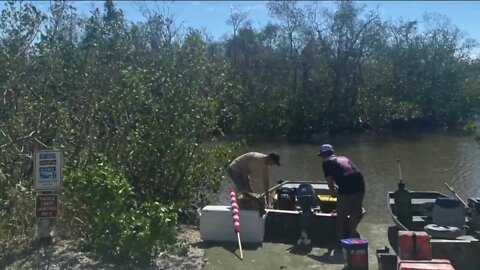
(216, 224)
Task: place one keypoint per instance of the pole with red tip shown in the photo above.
(236, 219)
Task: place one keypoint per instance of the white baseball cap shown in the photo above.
(325, 147)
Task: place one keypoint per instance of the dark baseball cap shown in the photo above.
(275, 157)
(325, 148)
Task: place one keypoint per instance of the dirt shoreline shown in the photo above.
(192, 259)
(65, 254)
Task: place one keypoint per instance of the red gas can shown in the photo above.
(414, 245)
(425, 265)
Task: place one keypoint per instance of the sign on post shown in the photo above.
(48, 170)
(46, 206)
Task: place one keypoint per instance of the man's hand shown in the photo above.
(267, 201)
(333, 192)
(332, 186)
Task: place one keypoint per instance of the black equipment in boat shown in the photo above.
(305, 197)
(403, 202)
(285, 199)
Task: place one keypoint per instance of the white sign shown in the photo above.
(48, 170)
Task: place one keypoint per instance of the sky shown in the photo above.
(212, 15)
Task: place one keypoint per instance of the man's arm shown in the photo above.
(326, 165)
(266, 185)
(246, 179)
(331, 186)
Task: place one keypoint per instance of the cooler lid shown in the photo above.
(354, 242)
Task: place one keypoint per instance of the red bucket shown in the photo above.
(356, 253)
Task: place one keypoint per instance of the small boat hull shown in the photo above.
(284, 225)
(462, 252)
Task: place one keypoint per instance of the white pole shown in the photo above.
(240, 245)
(456, 195)
(399, 169)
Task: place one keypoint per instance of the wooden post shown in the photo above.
(46, 211)
(47, 183)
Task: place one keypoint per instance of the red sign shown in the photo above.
(48, 162)
(47, 205)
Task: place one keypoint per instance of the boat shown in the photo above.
(292, 215)
(462, 250)
(283, 222)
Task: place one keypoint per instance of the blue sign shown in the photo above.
(48, 170)
(47, 156)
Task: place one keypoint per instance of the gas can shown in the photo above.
(414, 245)
(435, 264)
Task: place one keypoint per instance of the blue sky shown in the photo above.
(212, 15)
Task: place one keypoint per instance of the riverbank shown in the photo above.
(191, 254)
(406, 131)
(66, 254)
(289, 256)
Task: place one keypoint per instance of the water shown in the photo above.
(428, 160)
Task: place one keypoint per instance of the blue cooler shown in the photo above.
(355, 251)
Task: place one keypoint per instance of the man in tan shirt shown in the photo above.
(245, 165)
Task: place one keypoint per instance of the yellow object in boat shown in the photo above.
(327, 198)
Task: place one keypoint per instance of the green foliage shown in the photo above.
(470, 128)
(117, 226)
(17, 216)
(335, 69)
(133, 113)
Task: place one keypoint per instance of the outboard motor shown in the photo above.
(305, 197)
(403, 203)
(285, 199)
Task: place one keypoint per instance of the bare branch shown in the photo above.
(237, 17)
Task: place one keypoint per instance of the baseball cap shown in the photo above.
(324, 148)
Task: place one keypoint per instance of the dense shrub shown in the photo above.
(17, 215)
(116, 225)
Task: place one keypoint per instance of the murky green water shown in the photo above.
(427, 160)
